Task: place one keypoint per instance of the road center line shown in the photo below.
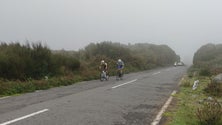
(124, 84)
(24, 117)
(163, 109)
(156, 73)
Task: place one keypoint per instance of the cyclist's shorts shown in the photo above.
(119, 66)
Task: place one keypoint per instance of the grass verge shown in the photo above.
(188, 101)
(8, 88)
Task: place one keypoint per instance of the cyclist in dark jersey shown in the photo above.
(103, 66)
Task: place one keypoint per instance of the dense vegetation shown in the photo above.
(28, 67)
(202, 106)
(209, 59)
(136, 57)
(21, 62)
(195, 107)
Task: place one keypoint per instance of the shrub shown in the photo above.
(185, 83)
(63, 65)
(20, 62)
(205, 72)
(214, 89)
(209, 57)
(15, 87)
(40, 84)
(209, 113)
(136, 57)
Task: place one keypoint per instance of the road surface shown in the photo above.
(135, 100)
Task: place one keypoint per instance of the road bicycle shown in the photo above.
(119, 75)
(104, 76)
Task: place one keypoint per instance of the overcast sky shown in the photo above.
(184, 25)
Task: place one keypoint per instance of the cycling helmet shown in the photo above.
(119, 60)
(102, 62)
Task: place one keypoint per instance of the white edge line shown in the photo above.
(24, 117)
(124, 84)
(4, 97)
(163, 109)
(156, 73)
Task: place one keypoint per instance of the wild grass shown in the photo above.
(19, 87)
(214, 89)
(209, 113)
(191, 108)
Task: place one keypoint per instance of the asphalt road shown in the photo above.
(135, 100)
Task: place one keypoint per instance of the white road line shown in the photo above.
(168, 69)
(156, 73)
(124, 84)
(163, 109)
(4, 97)
(24, 117)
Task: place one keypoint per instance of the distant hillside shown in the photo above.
(155, 54)
(209, 57)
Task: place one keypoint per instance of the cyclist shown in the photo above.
(104, 70)
(103, 66)
(120, 66)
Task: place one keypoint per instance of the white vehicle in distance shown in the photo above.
(178, 64)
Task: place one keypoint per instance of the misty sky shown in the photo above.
(184, 25)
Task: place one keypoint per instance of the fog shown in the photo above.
(184, 25)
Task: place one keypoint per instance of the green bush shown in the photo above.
(209, 59)
(214, 89)
(15, 87)
(205, 72)
(210, 113)
(33, 61)
(136, 57)
(63, 65)
(185, 83)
